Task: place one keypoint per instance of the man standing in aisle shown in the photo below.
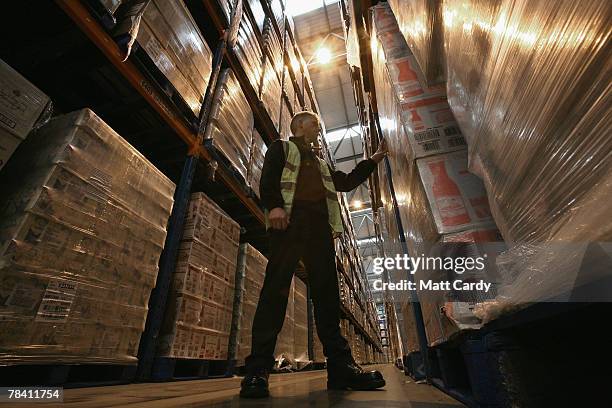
(298, 191)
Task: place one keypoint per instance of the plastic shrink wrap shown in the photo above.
(435, 194)
(317, 346)
(172, 40)
(255, 271)
(199, 311)
(249, 51)
(285, 120)
(258, 153)
(424, 110)
(274, 48)
(529, 85)
(300, 315)
(270, 93)
(82, 226)
(23, 107)
(231, 122)
(420, 22)
(285, 341)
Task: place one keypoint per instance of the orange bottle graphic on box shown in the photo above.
(447, 196)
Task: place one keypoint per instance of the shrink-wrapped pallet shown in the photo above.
(424, 110)
(249, 51)
(270, 93)
(230, 125)
(199, 312)
(285, 339)
(258, 153)
(300, 316)
(172, 40)
(529, 84)
(274, 47)
(317, 346)
(83, 224)
(285, 120)
(254, 274)
(420, 22)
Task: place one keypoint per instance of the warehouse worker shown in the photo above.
(298, 191)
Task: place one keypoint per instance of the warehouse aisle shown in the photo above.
(294, 389)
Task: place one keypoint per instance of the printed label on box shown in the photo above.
(57, 301)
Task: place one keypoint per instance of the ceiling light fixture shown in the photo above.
(357, 204)
(324, 55)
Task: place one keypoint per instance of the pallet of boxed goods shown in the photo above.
(23, 107)
(258, 153)
(300, 328)
(436, 194)
(198, 316)
(317, 357)
(251, 272)
(284, 352)
(529, 86)
(230, 127)
(270, 92)
(173, 43)
(83, 225)
(421, 24)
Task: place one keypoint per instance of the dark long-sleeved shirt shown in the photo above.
(309, 190)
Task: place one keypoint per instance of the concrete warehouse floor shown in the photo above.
(307, 389)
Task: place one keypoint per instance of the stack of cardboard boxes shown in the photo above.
(436, 193)
(22, 106)
(199, 313)
(254, 273)
(300, 315)
(82, 226)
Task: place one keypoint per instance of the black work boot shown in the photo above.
(343, 376)
(255, 384)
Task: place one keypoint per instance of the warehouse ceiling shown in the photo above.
(320, 36)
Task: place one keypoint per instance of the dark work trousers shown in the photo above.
(309, 238)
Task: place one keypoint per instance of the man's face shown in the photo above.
(310, 130)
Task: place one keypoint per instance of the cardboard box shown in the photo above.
(457, 198)
(8, 145)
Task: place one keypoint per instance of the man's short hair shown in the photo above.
(299, 118)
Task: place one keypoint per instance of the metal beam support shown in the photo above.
(416, 306)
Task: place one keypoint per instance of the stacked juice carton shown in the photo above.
(82, 226)
(436, 193)
(199, 312)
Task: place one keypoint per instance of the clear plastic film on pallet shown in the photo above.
(271, 91)
(284, 351)
(285, 120)
(249, 51)
(83, 223)
(231, 122)
(172, 40)
(420, 22)
(199, 312)
(529, 84)
(300, 316)
(317, 346)
(274, 47)
(436, 195)
(254, 274)
(258, 153)
(289, 89)
(277, 7)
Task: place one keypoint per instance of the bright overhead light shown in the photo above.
(323, 55)
(357, 204)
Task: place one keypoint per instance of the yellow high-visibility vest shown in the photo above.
(289, 181)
